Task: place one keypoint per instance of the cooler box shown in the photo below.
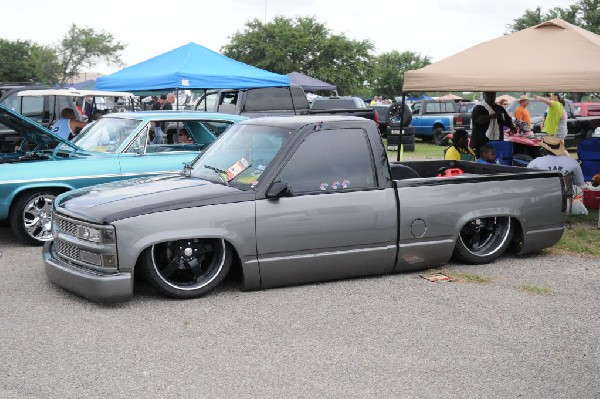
(591, 199)
(588, 152)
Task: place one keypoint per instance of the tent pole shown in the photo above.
(177, 98)
(403, 104)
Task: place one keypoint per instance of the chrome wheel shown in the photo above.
(31, 219)
(482, 240)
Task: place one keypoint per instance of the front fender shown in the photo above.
(233, 222)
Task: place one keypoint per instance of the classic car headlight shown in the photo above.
(100, 236)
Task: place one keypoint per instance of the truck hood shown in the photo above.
(106, 203)
(31, 130)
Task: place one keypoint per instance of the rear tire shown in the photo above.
(483, 240)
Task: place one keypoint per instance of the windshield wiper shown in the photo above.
(219, 172)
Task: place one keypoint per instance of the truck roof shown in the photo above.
(296, 122)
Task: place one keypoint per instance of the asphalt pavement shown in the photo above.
(397, 336)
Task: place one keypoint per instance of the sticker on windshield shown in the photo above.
(237, 168)
(324, 186)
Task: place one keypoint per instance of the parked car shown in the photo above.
(277, 101)
(266, 101)
(43, 109)
(344, 105)
(275, 196)
(113, 148)
(587, 109)
(435, 119)
(579, 127)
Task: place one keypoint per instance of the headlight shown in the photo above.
(100, 236)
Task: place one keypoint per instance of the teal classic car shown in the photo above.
(117, 146)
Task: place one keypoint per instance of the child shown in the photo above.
(488, 154)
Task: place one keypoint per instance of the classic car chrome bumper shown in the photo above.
(97, 286)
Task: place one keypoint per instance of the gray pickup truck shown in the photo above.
(294, 200)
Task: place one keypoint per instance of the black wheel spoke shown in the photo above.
(171, 268)
(196, 269)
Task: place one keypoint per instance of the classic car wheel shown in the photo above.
(439, 137)
(186, 268)
(31, 217)
(482, 240)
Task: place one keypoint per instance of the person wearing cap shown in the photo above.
(556, 116)
(522, 113)
(557, 159)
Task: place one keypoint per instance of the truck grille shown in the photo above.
(67, 251)
(67, 226)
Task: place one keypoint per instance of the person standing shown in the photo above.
(522, 113)
(489, 120)
(554, 115)
(170, 100)
(158, 127)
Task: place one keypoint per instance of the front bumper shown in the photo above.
(96, 286)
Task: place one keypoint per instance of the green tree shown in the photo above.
(584, 13)
(387, 75)
(304, 45)
(23, 61)
(84, 47)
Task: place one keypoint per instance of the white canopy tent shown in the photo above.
(551, 56)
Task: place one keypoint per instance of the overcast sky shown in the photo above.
(436, 28)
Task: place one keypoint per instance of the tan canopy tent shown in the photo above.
(551, 56)
(450, 97)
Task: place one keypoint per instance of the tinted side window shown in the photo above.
(432, 108)
(330, 161)
(300, 100)
(207, 103)
(268, 99)
(13, 102)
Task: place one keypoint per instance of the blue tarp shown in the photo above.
(191, 66)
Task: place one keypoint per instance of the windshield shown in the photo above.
(106, 134)
(241, 155)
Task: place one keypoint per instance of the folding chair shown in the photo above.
(503, 150)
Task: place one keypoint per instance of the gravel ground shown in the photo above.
(385, 337)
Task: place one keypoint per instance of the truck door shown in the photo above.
(336, 224)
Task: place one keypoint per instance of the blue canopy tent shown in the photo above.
(191, 66)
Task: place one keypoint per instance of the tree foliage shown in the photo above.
(304, 45)
(23, 61)
(84, 47)
(584, 13)
(387, 76)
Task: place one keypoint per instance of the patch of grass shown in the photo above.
(582, 238)
(423, 151)
(534, 289)
(468, 277)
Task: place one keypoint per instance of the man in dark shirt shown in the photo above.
(489, 120)
(159, 128)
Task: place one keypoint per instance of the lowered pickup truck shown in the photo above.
(280, 101)
(295, 200)
(435, 119)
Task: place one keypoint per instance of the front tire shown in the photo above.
(483, 240)
(439, 137)
(31, 217)
(186, 268)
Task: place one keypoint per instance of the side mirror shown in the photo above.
(277, 190)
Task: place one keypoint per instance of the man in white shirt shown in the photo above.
(558, 159)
